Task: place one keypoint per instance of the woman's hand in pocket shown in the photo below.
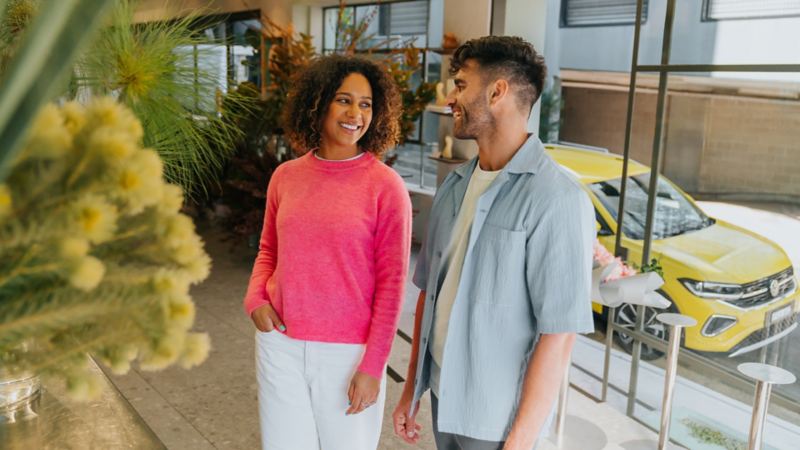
(266, 319)
(363, 392)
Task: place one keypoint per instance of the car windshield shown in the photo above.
(674, 213)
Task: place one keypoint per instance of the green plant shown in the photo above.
(653, 266)
(17, 16)
(289, 53)
(259, 148)
(257, 154)
(709, 435)
(33, 73)
(550, 115)
(95, 258)
(149, 68)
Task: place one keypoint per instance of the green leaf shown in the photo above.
(45, 55)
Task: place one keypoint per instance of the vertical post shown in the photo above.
(607, 359)
(262, 50)
(628, 128)
(421, 163)
(676, 323)
(765, 376)
(561, 415)
(759, 415)
(651, 195)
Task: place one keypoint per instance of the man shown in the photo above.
(505, 269)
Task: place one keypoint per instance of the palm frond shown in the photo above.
(151, 68)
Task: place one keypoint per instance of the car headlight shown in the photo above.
(708, 289)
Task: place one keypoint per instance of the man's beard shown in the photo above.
(475, 118)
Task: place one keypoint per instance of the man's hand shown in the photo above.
(363, 392)
(405, 425)
(266, 319)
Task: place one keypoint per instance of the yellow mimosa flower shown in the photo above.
(171, 199)
(73, 248)
(113, 146)
(49, 137)
(196, 350)
(165, 352)
(180, 312)
(87, 273)
(96, 219)
(5, 200)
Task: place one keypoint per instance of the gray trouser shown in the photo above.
(447, 441)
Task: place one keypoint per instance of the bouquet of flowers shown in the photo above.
(95, 257)
(603, 258)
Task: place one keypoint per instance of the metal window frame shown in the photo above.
(709, 367)
(563, 19)
(359, 5)
(704, 17)
(424, 52)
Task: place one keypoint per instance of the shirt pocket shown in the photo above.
(498, 265)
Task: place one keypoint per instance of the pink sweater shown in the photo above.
(334, 253)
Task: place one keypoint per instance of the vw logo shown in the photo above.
(774, 288)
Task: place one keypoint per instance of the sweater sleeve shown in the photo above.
(266, 260)
(392, 246)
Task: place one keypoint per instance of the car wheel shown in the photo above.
(626, 318)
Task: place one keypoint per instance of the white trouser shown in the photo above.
(302, 396)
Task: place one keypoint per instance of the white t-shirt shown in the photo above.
(456, 251)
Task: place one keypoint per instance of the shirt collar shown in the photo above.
(526, 160)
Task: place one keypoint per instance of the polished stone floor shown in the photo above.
(214, 405)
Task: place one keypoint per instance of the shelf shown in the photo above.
(442, 51)
(439, 109)
(448, 160)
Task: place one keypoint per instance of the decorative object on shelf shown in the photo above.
(447, 151)
(450, 41)
(442, 110)
(95, 257)
(435, 152)
(441, 95)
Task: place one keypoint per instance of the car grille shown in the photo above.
(758, 293)
(766, 332)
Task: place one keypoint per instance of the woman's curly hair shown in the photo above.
(314, 89)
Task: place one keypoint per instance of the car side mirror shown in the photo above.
(601, 230)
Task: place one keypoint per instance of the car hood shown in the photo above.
(725, 253)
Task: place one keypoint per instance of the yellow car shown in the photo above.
(739, 286)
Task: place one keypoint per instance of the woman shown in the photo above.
(329, 279)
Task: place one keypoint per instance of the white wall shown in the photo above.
(528, 20)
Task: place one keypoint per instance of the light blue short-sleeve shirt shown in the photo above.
(527, 271)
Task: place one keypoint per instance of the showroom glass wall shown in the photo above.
(726, 132)
(231, 55)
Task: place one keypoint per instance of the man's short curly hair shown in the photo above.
(510, 57)
(315, 88)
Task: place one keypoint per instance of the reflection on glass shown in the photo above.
(675, 214)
